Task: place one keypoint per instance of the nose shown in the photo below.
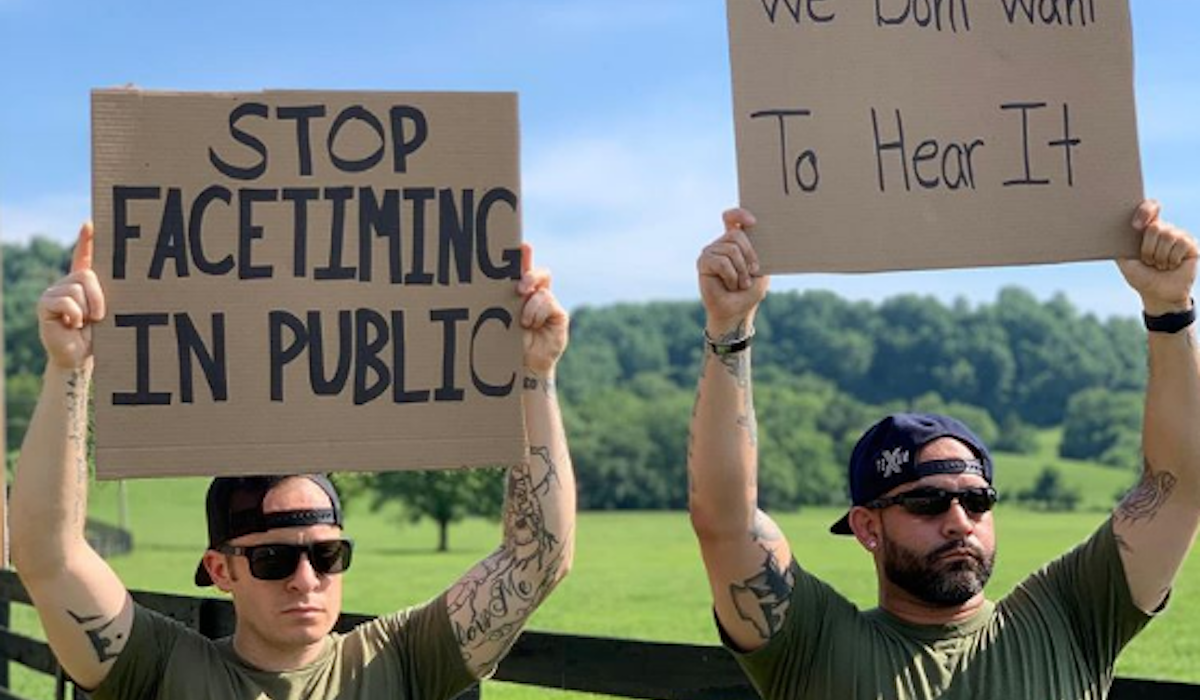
(957, 523)
(305, 577)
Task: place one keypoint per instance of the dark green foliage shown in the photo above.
(1049, 492)
(28, 271)
(442, 496)
(1105, 426)
(1015, 436)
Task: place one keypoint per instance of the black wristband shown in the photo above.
(1171, 322)
(729, 347)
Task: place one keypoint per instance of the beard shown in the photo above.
(943, 584)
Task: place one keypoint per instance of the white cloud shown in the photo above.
(56, 216)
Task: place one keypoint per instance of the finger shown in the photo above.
(1147, 213)
(740, 238)
(71, 289)
(93, 295)
(1164, 239)
(526, 257)
(535, 312)
(713, 264)
(82, 257)
(1149, 245)
(533, 281)
(738, 218)
(737, 257)
(65, 309)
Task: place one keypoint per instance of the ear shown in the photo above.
(219, 570)
(865, 524)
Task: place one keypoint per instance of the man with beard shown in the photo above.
(922, 497)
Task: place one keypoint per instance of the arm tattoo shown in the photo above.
(738, 366)
(1145, 500)
(763, 599)
(506, 588)
(533, 384)
(735, 364)
(101, 643)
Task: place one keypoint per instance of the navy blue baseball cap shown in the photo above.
(234, 506)
(886, 457)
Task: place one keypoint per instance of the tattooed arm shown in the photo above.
(1156, 523)
(491, 603)
(746, 556)
(84, 608)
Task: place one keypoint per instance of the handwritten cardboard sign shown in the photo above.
(306, 280)
(908, 134)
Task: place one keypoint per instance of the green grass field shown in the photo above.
(638, 575)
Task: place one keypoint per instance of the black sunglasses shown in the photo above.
(275, 562)
(931, 501)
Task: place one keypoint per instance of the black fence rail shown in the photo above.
(617, 667)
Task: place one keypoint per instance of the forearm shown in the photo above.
(489, 606)
(49, 500)
(1156, 523)
(722, 448)
(1171, 441)
(548, 476)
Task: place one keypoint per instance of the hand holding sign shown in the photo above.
(1164, 273)
(728, 282)
(543, 318)
(67, 309)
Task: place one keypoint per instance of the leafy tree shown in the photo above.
(1016, 436)
(445, 496)
(1100, 422)
(1049, 492)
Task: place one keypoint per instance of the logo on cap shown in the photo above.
(891, 462)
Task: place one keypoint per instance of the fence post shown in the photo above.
(5, 623)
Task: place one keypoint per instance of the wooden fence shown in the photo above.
(618, 667)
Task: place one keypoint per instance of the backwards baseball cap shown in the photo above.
(234, 506)
(886, 456)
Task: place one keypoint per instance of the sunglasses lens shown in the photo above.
(332, 557)
(978, 500)
(273, 562)
(921, 503)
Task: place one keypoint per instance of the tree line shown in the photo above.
(825, 369)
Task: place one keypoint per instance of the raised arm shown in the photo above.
(491, 603)
(1156, 523)
(745, 554)
(85, 610)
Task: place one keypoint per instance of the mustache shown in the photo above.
(956, 547)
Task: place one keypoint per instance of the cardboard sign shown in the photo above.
(306, 281)
(908, 134)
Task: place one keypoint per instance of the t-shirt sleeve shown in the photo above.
(139, 667)
(1089, 586)
(424, 644)
(791, 655)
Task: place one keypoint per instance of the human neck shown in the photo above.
(908, 608)
(262, 655)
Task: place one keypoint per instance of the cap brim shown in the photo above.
(202, 578)
(842, 526)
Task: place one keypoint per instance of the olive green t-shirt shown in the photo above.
(409, 655)
(1055, 637)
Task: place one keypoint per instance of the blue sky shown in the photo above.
(627, 135)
